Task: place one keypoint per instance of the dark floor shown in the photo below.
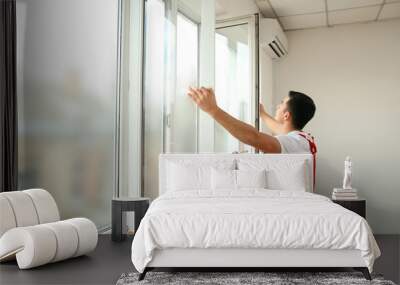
(110, 260)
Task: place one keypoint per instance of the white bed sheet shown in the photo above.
(250, 218)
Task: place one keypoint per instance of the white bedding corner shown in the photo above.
(250, 218)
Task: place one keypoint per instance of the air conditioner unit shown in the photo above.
(272, 38)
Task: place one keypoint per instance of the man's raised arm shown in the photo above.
(205, 99)
(275, 127)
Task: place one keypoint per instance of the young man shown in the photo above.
(292, 114)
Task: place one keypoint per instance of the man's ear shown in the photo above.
(287, 116)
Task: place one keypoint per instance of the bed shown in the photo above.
(245, 211)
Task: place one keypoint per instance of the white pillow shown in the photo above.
(284, 172)
(288, 178)
(223, 179)
(251, 178)
(236, 179)
(183, 177)
(192, 173)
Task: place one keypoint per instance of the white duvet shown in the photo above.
(250, 218)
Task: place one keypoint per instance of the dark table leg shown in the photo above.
(140, 211)
(116, 223)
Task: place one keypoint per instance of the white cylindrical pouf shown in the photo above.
(7, 218)
(34, 246)
(24, 210)
(87, 234)
(45, 205)
(67, 240)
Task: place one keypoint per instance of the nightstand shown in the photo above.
(139, 205)
(358, 206)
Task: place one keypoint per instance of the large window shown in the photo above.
(67, 67)
(171, 65)
(182, 49)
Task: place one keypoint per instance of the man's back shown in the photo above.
(293, 142)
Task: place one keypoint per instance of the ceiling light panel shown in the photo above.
(296, 7)
(348, 4)
(353, 15)
(390, 11)
(303, 21)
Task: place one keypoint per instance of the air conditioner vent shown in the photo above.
(272, 38)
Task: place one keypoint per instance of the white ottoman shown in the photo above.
(31, 232)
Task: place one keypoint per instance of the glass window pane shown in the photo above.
(171, 63)
(66, 102)
(130, 98)
(183, 124)
(233, 82)
(154, 88)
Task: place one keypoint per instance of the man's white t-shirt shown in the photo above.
(293, 143)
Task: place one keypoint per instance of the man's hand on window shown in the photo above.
(204, 98)
(262, 110)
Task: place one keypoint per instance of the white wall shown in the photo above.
(353, 74)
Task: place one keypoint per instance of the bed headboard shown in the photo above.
(270, 159)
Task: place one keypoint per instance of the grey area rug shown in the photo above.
(269, 278)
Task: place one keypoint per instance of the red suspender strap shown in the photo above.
(313, 150)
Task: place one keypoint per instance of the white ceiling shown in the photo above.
(303, 14)
(226, 9)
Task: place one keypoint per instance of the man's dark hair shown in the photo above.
(301, 107)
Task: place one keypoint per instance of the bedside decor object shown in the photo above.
(347, 192)
(357, 206)
(347, 173)
(344, 194)
(31, 231)
(138, 205)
